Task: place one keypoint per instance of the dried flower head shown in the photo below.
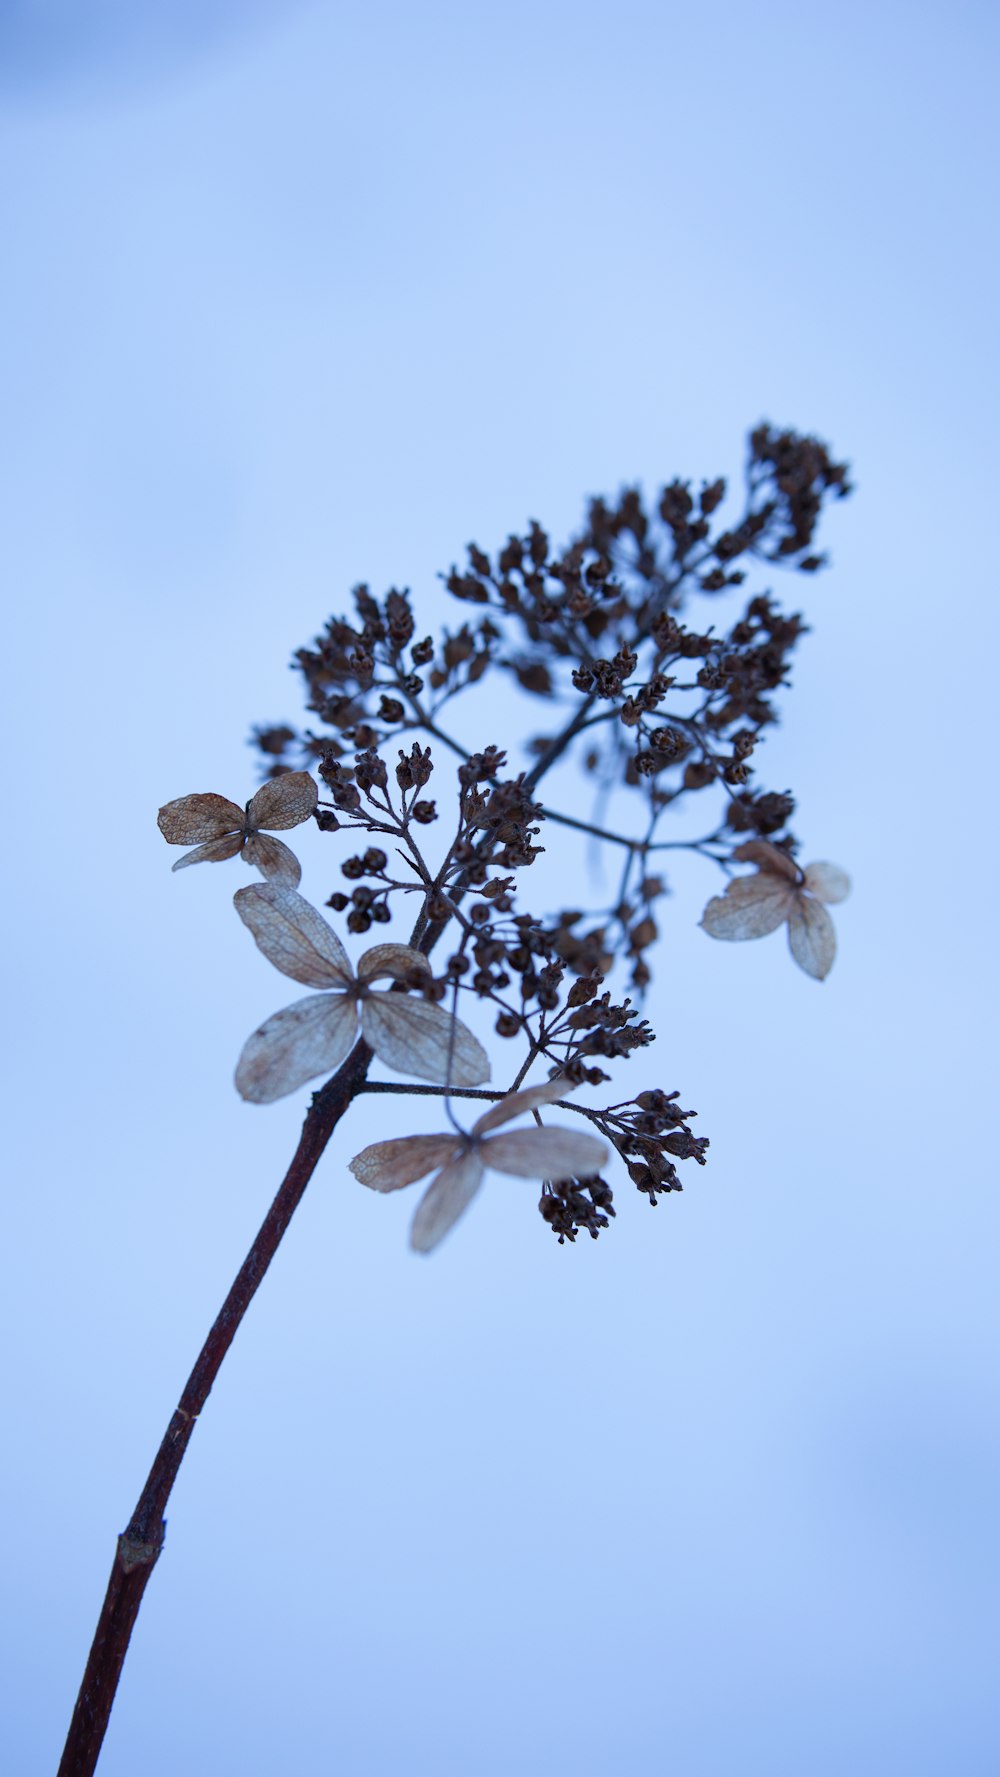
(219, 829)
(314, 1035)
(463, 1158)
(780, 892)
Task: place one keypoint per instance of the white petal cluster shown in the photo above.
(314, 1035)
(220, 829)
(461, 1160)
(777, 894)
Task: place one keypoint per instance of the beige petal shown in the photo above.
(413, 1036)
(397, 960)
(193, 819)
(273, 858)
(215, 852)
(293, 936)
(769, 857)
(388, 1165)
(811, 937)
(545, 1153)
(828, 881)
(312, 1037)
(751, 907)
(283, 801)
(516, 1103)
(442, 1204)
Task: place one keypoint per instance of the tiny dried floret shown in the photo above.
(314, 1035)
(219, 829)
(462, 1158)
(779, 893)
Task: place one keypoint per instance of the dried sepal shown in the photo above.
(516, 1103)
(811, 937)
(293, 936)
(828, 881)
(214, 851)
(415, 1037)
(445, 1200)
(751, 907)
(545, 1153)
(283, 802)
(396, 960)
(193, 820)
(389, 1165)
(311, 1037)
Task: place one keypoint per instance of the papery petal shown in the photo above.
(273, 858)
(215, 852)
(444, 1201)
(516, 1103)
(751, 907)
(828, 881)
(388, 1165)
(413, 1036)
(769, 857)
(811, 937)
(312, 1037)
(545, 1153)
(190, 820)
(284, 801)
(397, 960)
(293, 936)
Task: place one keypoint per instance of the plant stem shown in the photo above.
(140, 1544)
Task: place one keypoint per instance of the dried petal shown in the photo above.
(442, 1204)
(828, 881)
(312, 1037)
(273, 858)
(413, 1037)
(214, 852)
(516, 1103)
(545, 1153)
(293, 936)
(388, 1165)
(397, 960)
(811, 937)
(283, 801)
(769, 857)
(193, 819)
(751, 907)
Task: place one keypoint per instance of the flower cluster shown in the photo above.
(640, 700)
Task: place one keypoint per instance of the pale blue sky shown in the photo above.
(298, 295)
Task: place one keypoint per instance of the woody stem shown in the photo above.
(140, 1544)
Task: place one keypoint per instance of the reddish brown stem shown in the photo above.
(139, 1545)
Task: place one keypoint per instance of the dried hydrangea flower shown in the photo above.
(218, 828)
(314, 1035)
(464, 1157)
(752, 906)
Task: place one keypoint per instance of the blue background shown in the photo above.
(299, 295)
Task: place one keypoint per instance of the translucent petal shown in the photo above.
(273, 858)
(283, 801)
(828, 881)
(214, 852)
(413, 1037)
(811, 937)
(445, 1200)
(397, 960)
(293, 936)
(388, 1165)
(769, 857)
(516, 1103)
(312, 1037)
(545, 1153)
(191, 820)
(751, 907)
